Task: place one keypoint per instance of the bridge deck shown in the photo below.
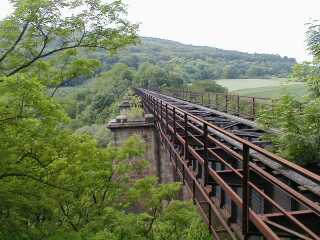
(242, 190)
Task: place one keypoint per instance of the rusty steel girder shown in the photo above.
(242, 190)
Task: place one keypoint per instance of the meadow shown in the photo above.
(273, 88)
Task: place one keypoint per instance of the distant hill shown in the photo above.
(200, 62)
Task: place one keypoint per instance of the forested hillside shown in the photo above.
(199, 62)
(196, 62)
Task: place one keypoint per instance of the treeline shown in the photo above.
(192, 63)
(200, 63)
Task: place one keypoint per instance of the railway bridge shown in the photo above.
(242, 190)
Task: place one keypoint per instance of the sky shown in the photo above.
(261, 26)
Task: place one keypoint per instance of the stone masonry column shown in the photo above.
(160, 164)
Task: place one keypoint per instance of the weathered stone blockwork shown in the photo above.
(160, 164)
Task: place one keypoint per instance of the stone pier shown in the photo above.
(160, 163)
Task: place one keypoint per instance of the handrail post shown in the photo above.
(153, 101)
(245, 190)
(238, 105)
(167, 124)
(216, 107)
(205, 153)
(186, 144)
(226, 106)
(157, 108)
(174, 126)
(161, 116)
(253, 108)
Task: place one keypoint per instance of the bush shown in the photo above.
(299, 139)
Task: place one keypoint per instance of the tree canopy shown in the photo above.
(189, 63)
(202, 63)
(56, 183)
(39, 28)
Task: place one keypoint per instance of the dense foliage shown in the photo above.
(201, 63)
(56, 183)
(299, 123)
(97, 101)
(188, 63)
(206, 86)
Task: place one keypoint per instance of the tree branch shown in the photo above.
(104, 195)
(67, 216)
(24, 29)
(11, 119)
(23, 175)
(59, 86)
(50, 53)
(94, 197)
(154, 213)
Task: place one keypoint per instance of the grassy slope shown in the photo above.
(264, 87)
(297, 90)
(238, 84)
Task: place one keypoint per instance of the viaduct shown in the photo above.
(211, 143)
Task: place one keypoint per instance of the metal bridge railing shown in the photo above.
(220, 177)
(242, 106)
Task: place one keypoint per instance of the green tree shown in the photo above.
(308, 72)
(226, 72)
(299, 124)
(254, 71)
(150, 75)
(301, 72)
(207, 86)
(300, 129)
(37, 29)
(55, 183)
(107, 90)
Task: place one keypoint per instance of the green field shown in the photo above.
(264, 87)
(297, 90)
